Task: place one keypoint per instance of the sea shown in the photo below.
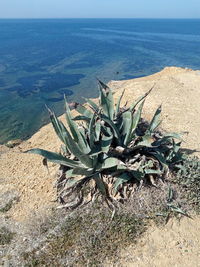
(43, 59)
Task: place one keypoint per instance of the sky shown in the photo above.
(99, 8)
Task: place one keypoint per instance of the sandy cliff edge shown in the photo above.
(178, 90)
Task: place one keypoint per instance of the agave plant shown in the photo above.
(109, 150)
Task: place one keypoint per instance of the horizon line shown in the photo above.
(94, 18)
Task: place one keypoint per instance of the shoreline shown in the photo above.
(111, 83)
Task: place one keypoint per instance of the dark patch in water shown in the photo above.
(62, 92)
(1, 83)
(45, 83)
(54, 99)
(89, 62)
(32, 68)
(65, 92)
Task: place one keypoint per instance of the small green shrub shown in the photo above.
(188, 177)
(110, 150)
(7, 207)
(6, 236)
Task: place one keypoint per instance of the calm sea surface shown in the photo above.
(40, 60)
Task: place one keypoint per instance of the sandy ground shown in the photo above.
(178, 90)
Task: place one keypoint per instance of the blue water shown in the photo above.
(40, 60)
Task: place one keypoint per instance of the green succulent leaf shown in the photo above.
(106, 143)
(84, 111)
(155, 121)
(134, 124)
(160, 158)
(173, 135)
(77, 152)
(91, 130)
(152, 171)
(71, 145)
(81, 118)
(82, 171)
(133, 106)
(100, 184)
(119, 103)
(92, 104)
(56, 158)
(78, 138)
(121, 178)
(106, 100)
(138, 175)
(127, 126)
(59, 129)
(108, 163)
(97, 130)
(116, 132)
(146, 141)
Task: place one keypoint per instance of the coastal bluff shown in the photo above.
(178, 91)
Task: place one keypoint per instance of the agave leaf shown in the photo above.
(173, 135)
(73, 180)
(138, 175)
(137, 116)
(147, 141)
(107, 130)
(176, 146)
(121, 178)
(155, 121)
(170, 194)
(84, 111)
(56, 158)
(103, 85)
(119, 103)
(108, 163)
(97, 130)
(83, 132)
(91, 131)
(167, 138)
(122, 167)
(100, 184)
(127, 125)
(106, 100)
(113, 127)
(160, 158)
(64, 150)
(135, 121)
(74, 148)
(152, 171)
(71, 145)
(57, 126)
(81, 118)
(176, 209)
(83, 171)
(68, 174)
(106, 142)
(75, 132)
(95, 151)
(133, 106)
(92, 104)
(72, 125)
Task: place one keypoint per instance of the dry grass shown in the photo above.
(86, 238)
(89, 237)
